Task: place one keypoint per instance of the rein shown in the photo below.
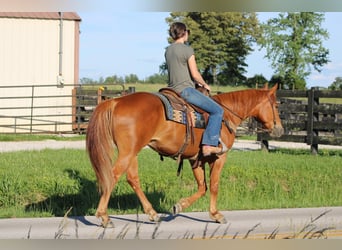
(231, 111)
(260, 129)
(227, 123)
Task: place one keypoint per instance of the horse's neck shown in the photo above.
(241, 103)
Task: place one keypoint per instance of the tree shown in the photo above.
(278, 79)
(221, 41)
(131, 78)
(256, 80)
(337, 84)
(157, 78)
(293, 42)
(86, 80)
(114, 79)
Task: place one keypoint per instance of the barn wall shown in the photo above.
(29, 51)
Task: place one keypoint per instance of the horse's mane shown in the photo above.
(246, 96)
(241, 100)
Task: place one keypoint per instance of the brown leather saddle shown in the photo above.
(178, 110)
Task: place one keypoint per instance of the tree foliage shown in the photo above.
(293, 42)
(157, 78)
(221, 41)
(256, 81)
(337, 84)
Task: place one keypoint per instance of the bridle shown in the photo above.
(273, 112)
(259, 129)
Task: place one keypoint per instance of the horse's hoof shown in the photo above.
(177, 208)
(218, 218)
(222, 220)
(152, 215)
(154, 218)
(108, 224)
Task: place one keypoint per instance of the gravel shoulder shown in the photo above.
(238, 145)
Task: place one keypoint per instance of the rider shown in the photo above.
(183, 72)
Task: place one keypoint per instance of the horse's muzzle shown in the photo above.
(277, 131)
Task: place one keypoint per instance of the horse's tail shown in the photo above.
(100, 144)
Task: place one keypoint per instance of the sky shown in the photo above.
(133, 42)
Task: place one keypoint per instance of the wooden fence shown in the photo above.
(307, 119)
(86, 99)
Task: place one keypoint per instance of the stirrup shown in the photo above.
(224, 147)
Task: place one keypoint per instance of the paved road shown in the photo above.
(251, 224)
(238, 145)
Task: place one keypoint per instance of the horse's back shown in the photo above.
(141, 111)
(140, 102)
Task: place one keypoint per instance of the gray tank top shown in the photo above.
(177, 56)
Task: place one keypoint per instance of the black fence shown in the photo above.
(309, 117)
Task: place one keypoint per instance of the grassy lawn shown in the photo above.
(155, 87)
(40, 137)
(49, 182)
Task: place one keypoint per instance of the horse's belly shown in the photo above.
(175, 141)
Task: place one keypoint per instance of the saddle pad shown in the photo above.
(179, 115)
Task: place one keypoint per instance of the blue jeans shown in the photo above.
(211, 134)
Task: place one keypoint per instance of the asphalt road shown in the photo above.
(250, 224)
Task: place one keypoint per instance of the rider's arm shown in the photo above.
(196, 75)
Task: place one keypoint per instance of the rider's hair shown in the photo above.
(177, 30)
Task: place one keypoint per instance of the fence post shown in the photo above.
(73, 112)
(99, 96)
(312, 117)
(131, 89)
(264, 145)
(31, 118)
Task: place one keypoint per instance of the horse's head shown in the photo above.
(267, 113)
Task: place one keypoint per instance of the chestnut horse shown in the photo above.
(131, 122)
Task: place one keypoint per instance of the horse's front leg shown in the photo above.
(199, 175)
(133, 180)
(215, 172)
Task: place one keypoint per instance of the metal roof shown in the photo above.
(41, 15)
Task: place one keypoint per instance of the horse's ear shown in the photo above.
(274, 88)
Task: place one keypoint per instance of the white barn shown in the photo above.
(39, 58)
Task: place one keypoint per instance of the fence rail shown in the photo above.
(308, 120)
(50, 108)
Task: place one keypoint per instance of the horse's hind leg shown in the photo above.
(119, 168)
(133, 180)
(101, 211)
(199, 175)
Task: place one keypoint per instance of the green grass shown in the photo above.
(49, 182)
(155, 87)
(40, 137)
